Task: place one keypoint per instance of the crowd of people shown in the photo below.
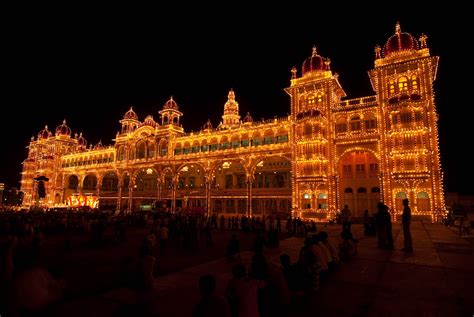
(253, 291)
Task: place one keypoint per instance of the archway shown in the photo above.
(110, 183)
(89, 183)
(73, 182)
(191, 187)
(359, 182)
(271, 188)
(229, 187)
(423, 202)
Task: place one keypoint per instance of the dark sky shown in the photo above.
(89, 66)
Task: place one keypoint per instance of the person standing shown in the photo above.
(346, 219)
(406, 220)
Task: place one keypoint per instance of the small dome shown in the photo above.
(400, 41)
(81, 141)
(45, 133)
(98, 146)
(171, 104)
(207, 125)
(149, 121)
(248, 118)
(63, 129)
(315, 63)
(130, 114)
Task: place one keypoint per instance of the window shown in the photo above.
(341, 127)
(348, 190)
(361, 190)
(355, 123)
(282, 138)
(414, 82)
(177, 151)
(347, 168)
(213, 147)
(405, 117)
(373, 167)
(268, 140)
(308, 130)
(235, 144)
(360, 168)
(418, 116)
(256, 142)
(370, 124)
(320, 98)
(402, 84)
(186, 150)
(391, 87)
(394, 119)
(196, 149)
(245, 143)
(204, 148)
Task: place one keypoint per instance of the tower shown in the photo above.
(231, 111)
(312, 97)
(130, 121)
(170, 114)
(403, 80)
(42, 178)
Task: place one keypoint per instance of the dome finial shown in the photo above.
(315, 51)
(64, 121)
(46, 127)
(231, 94)
(171, 97)
(293, 72)
(423, 39)
(377, 52)
(398, 29)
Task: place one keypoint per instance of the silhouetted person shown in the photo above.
(388, 225)
(233, 248)
(406, 220)
(380, 220)
(366, 222)
(210, 305)
(346, 218)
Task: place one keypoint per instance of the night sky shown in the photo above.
(88, 66)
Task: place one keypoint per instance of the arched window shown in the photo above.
(423, 201)
(369, 121)
(319, 98)
(402, 84)
(399, 197)
(308, 130)
(348, 190)
(414, 82)
(141, 150)
(361, 190)
(391, 87)
(375, 190)
(355, 123)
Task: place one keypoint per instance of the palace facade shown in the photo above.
(330, 151)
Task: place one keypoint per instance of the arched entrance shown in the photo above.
(229, 188)
(89, 184)
(359, 182)
(191, 188)
(145, 189)
(271, 188)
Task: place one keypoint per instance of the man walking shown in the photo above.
(346, 219)
(406, 220)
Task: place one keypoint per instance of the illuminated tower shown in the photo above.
(403, 80)
(42, 179)
(170, 114)
(130, 121)
(231, 111)
(312, 98)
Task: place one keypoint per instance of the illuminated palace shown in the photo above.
(330, 151)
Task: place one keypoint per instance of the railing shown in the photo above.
(358, 102)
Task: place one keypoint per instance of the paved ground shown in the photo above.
(436, 280)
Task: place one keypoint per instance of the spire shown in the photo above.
(231, 110)
(231, 95)
(315, 51)
(293, 72)
(377, 52)
(64, 121)
(398, 28)
(423, 39)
